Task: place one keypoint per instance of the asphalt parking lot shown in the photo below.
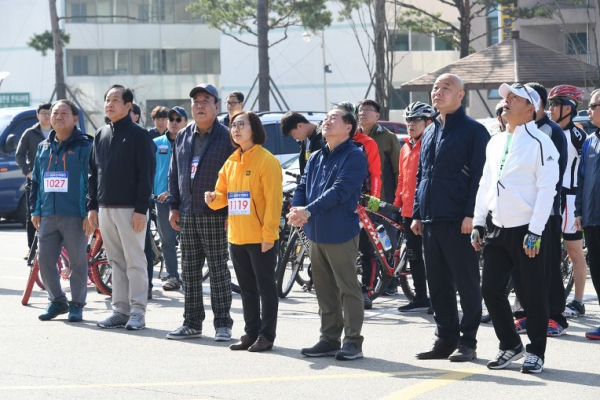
(61, 360)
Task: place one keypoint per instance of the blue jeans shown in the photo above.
(168, 238)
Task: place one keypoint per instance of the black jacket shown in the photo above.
(121, 167)
(27, 148)
(316, 143)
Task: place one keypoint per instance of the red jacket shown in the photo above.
(407, 177)
(373, 162)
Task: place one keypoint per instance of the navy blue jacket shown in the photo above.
(330, 190)
(557, 135)
(186, 198)
(448, 177)
(71, 156)
(587, 199)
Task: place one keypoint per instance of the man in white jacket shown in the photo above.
(518, 187)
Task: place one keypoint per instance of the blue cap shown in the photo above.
(179, 110)
(205, 87)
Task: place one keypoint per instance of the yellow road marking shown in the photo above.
(421, 388)
(217, 382)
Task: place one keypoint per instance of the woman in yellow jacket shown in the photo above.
(250, 185)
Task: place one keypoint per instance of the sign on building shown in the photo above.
(14, 100)
(508, 23)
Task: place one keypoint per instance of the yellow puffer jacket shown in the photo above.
(258, 172)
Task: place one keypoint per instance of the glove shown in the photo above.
(373, 204)
(532, 241)
(477, 234)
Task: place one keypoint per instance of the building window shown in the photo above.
(82, 62)
(577, 43)
(417, 41)
(494, 94)
(401, 41)
(420, 41)
(442, 44)
(493, 24)
(399, 100)
(130, 11)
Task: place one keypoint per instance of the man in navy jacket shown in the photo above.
(450, 166)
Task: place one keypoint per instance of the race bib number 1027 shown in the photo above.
(239, 203)
(56, 181)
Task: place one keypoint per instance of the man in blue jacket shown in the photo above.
(58, 210)
(450, 166)
(168, 236)
(325, 204)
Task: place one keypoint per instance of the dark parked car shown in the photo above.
(586, 124)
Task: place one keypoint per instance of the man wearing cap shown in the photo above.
(518, 188)
(450, 166)
(168, 235)
(200, 151)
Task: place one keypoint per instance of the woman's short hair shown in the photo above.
(259, 136)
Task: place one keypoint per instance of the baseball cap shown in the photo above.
(522, 91)
(179, 110)
(205, 87)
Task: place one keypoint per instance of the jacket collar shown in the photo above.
(126, 120)
(238, 156)
(542, 121)
(525, 128)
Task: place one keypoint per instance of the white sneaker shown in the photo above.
(136, 321)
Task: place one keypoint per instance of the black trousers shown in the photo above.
(592, 240)
(414, 246)
(255, 273)
(551, 252)
(503, 253)
(452, 264)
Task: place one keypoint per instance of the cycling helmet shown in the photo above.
(572, 94)
(348, 106)
(418, 109)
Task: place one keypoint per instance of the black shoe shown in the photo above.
(430, 310)
(367, 301)
(245, 342)
(321, 349)
(391, 291)
(261, 344)
(415, 305)
(150, 294)
(440, 351)
(463, 353)
(350, 351)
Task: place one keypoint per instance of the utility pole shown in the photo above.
(61, 92)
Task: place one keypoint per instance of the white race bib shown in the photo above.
(195, 162)
(239, 203)
(56, 181)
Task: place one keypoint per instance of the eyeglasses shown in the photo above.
(360, 110)
(197, 103)
(555, 103)
(238, 125)
(178, 119)
(593, 106)
(415, 119)
(45, 113)
(232, 103)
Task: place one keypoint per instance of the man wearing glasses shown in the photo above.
(200, 151)
(518, 188)
(168, 235)
(587, 200)
(234, 103)
(25, 156)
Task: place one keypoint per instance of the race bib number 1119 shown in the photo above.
(239, 203)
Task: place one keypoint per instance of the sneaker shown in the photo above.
(574, 309)
(594, 335)
(349, 351)
(75, 312)
(53, 310)
(172, 283)
(223, 334)
(521, 326)
(554, 329)
(506, 357)
(184, 332)
(136, 321)
(116, 320)
(415, 305)
(532, 365)
(367, 301)
(391, 291)
(321, 349)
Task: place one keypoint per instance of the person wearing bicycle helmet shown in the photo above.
(58, 211)
(418, 116)
(563, 101)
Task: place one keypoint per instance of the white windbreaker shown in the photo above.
(523, 192)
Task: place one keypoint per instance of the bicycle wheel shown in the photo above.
(102, 276)
(566, 270)
(33, 273)
(406, 282)
(287, 268)
(382, 281)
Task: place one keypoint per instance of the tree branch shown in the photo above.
(434, 17)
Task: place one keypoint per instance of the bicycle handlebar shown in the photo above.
(168, 199)
(375, 204)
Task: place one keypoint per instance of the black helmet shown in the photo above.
(418, 109)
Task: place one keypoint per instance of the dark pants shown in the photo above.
(551, 252)
(452, 264)
(149, 255)
(28, 223)
(592, 240)
(255, 273)
(414, 247)
(503, 253)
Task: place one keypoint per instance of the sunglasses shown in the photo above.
(521, 86)
(415, 119)
(178, 119)
(556, 103)
(593, 106)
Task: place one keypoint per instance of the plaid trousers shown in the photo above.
(203, 237)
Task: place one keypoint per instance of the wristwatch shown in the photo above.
(306, 213)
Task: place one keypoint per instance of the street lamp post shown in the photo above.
(326, 67)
